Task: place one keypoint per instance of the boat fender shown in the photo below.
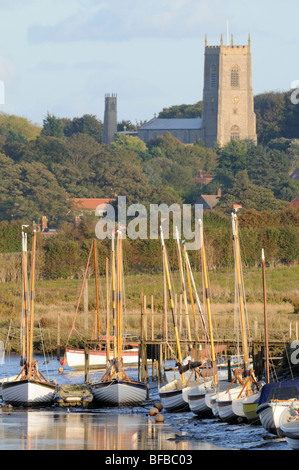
(72, 399)
(159, 418)
(153, 411)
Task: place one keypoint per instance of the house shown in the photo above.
(203, 178)
(92, 206)
(209, 201)
(295, 203)
(295, 175)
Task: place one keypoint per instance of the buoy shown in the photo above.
(159, 406)
(153, 411)
(60, 370)
(159, 418)
(63, 361)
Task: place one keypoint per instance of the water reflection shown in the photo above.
(58, 430)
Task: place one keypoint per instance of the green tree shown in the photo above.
(52, 126)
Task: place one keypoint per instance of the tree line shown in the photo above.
(44, 168)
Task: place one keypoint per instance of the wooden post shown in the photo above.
(229, 372)
(153, 318)
(153, 348)
(86, 353)
(145, 317)
(141, 339)
(58, 337)
(86, 306)
(160, 359)
(181, 314)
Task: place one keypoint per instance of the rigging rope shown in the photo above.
(83, 283)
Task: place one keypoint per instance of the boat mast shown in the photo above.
(265, 319)
(114, 300)
(97, 289)
(119, 297)
(189, 271)
(239, 286)
(107, 313)
(171, 302)
(24, 352)
(32, 302)
(183, 286)
(208, 298)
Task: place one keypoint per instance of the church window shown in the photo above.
(235, 77)
(235, 133)
(213, 76)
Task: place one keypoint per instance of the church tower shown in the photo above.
(110, 119)
(228, 103)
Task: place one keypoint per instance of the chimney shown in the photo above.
(44, 223)
(219, 192)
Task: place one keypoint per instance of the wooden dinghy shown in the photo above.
(115, 388)
(275, 398)
(119, 392)
(28, 392)
(172, 396)
(289, 424)
(230, 403)
(29, 387)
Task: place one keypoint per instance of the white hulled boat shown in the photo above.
(275, 398)
(230, 403)
(289, 425)
(116, 388)
(29, 387)
(98, 359)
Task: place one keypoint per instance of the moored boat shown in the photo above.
(115, 388)
(28, 392)
(289, 425)
(98, 358)
(275, 398)
(197, 399)
(172, 398)
(121, 393)
(29, 387)
(250, 405)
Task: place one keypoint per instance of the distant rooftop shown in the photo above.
(295, 174)
(172, 124)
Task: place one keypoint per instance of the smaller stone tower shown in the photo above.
(110, 118)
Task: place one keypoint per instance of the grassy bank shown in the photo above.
(59, 298)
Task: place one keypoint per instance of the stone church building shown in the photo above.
(228, 103)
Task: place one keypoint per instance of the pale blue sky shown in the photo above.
(63, 56)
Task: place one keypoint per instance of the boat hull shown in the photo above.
(28, 393)
(173, 397)
(120, 393)
(269, 414)
(230, 408)
(98, 359)
(250, 405)
(197, 399)
(289, 425)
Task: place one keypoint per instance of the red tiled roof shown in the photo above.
(91, 203)
(295, 202)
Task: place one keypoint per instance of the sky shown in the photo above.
(62, 56)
